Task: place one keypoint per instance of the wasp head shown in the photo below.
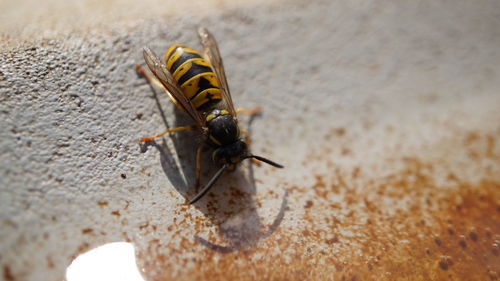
(223, 133)
(231, 154)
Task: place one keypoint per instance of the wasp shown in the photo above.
(197, 85)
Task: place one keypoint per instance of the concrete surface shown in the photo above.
(386, 115)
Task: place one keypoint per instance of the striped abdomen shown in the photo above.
(194, 75)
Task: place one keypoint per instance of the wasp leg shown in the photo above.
(198, 165)
(155, 82)
(150, 78)
(178, 129)
(254, 111)
(247, 141)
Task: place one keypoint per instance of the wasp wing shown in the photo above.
(212, 53)
(160, 71)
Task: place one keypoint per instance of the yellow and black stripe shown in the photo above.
(194, 75)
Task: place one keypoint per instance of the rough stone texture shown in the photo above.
(385, 114)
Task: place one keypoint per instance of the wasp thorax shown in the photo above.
(230, 154)
(222, 127)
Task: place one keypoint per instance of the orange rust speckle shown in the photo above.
(490, 147)
(102, 203)
(340, 132)
(445, 262)
(462, 242)
(356, 172)
(332, 241)
(470, 138)
(450, 231)
(473, 234)
(452, 177)
(83, 247)
(87, 230)
(7, 274)
(115, 213)
(50, 263)
(309, 204)
(345, 151)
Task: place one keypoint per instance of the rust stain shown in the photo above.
(83, 247)
(87, 230)
(309, 204)
(456, 241)
(406, 225)
(102, 203)
(7, 274)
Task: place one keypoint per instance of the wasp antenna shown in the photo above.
(265, 161)
(208, 186)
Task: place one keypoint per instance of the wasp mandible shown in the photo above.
(197, 85)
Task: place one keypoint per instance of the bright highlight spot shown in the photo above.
(109, 262)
